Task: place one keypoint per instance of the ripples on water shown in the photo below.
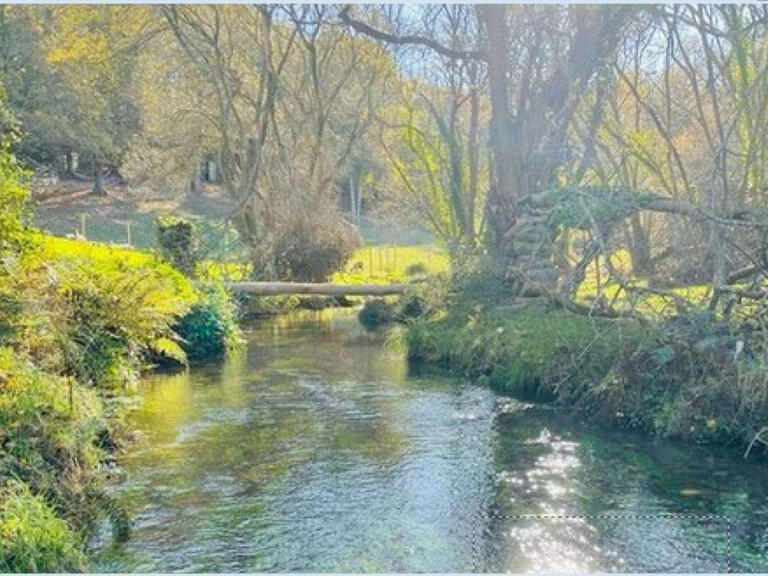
(316, 450)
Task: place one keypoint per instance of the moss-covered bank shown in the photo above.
(685, 377)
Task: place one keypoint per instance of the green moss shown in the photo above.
(533, 350)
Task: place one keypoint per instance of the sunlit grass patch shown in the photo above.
(55, 247)
(223, 271)
(391, 264)
(631, 292)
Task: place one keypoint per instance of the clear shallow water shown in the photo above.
(316, 450)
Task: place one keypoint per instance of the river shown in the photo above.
(316, 449)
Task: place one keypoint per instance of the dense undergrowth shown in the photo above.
(78, 322)
(691, 376)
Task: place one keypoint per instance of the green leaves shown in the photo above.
(209, 329)
(583, 207)
(13, 192)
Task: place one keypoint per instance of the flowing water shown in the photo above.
(316, 449)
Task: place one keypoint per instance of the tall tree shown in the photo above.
(70, 77)
(541, 63)
(290, 95)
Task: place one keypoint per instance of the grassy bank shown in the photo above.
(79, 321)
(676, 377)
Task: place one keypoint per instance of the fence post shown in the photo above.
(82, 225)
(128, 233)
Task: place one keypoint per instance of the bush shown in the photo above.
(413, 307)
(102, 313)
(416, 269)
(177, 239)
(32, 537)
(375, 313)
(114, 319)
(687, 380)
(209, 329)
(311, 247)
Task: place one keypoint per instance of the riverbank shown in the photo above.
(685, 377)
(79, 322)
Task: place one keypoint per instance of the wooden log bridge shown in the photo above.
(320, 289)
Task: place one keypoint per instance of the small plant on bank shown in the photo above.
(416, 269)
(376, 313)
(209, 329)
(177, 239)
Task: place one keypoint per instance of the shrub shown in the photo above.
(311, 247)
(413, 306)
(209, 329)
(688, 381)
(32, 537)
(110, 315)
(375, 313)
(177, 239)
(416, 269)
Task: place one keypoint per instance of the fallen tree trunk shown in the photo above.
(308, 288)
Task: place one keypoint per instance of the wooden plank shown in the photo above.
(307, 288)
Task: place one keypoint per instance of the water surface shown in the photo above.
(316, 450)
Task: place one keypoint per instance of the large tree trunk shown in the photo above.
(529, 142)
(521, 240)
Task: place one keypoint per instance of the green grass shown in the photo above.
(387, 264)
(382, 264)
(32, 538)
(532, 351)
(55, 247)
